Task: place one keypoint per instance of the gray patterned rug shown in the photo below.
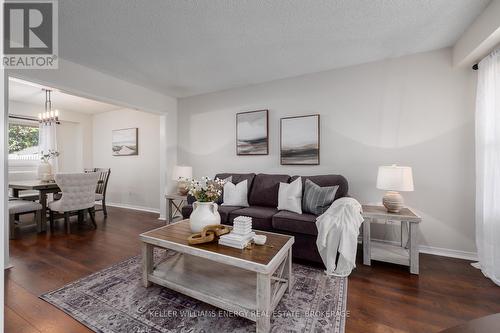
(114, 300)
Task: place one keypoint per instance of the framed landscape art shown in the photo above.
(124, 142)
(252, 133)
(300, 140)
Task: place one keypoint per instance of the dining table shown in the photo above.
(43, 187)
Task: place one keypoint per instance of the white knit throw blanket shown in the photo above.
(338, 230)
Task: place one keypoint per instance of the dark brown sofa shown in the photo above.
(263, 200)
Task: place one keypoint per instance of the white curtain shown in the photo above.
(47, 140)
(488, 166)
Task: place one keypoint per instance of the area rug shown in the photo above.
(114, 300)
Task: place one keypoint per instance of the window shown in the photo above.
(23, 141)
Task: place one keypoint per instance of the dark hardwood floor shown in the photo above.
(381, 298)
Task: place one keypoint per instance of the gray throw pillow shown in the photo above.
(317, 199)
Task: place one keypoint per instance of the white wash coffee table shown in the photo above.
(248, 282)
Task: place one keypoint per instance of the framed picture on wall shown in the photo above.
(125, 142)
(252, 133)
(299, 141)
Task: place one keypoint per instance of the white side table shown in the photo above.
(174, 206)
(406, 254)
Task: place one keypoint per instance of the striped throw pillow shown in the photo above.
(317, 199)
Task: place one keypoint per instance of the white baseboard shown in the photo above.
(438, 251)
(127, 206)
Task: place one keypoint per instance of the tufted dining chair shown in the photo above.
(78, 196)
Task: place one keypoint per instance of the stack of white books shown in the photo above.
(241, 234)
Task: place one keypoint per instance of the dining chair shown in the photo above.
(20, 207)
(102, 185)
(77, 196)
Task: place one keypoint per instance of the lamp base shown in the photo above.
(182, 187)
(393, 201)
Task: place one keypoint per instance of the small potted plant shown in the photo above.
(205, 210)
(44, 168)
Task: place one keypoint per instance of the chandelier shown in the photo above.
(50, 116)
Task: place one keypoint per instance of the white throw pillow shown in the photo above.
(236, 195)
(290, 196)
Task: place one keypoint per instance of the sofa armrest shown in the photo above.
(190, 199)
(186, 211)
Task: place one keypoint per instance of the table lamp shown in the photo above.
(393, 179)
(182, 174)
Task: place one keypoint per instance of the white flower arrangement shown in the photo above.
(205, 189)
(51, 154)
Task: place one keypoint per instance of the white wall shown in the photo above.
(134, 180)
(74, 136)
(415, 110)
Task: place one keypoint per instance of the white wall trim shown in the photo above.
(438, 251)
(4, 212)
(164, 181)
(109, 89)
(480, 37)
(133, 207)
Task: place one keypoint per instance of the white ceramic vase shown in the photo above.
(44, 171)
(204, 213)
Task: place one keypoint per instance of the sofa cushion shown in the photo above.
(290, 196)
(261, 216)
(317, 199)
(235, 194)
(236, 178)
(296, 223)
(223, 212)
(327, 180)
(265, 188)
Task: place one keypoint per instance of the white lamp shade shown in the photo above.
(182, 171)
(395, 178)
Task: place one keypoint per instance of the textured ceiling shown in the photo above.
(27, 92)
(189, 47)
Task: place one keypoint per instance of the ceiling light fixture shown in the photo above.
(50, 116)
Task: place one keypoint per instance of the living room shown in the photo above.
(351, 101)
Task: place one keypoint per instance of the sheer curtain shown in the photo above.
(488, 166)
(47, 140)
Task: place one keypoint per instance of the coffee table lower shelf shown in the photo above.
(227, 287)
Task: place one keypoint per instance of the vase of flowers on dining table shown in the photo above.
(205, 210)
(44, 171)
